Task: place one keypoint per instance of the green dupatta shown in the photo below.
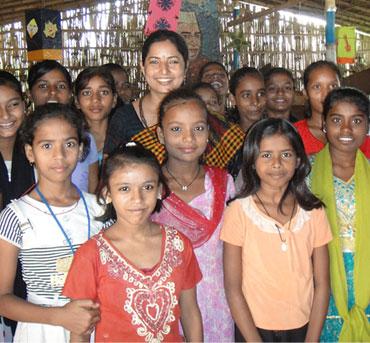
(356, 326)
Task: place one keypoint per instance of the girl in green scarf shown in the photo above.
(341, 179)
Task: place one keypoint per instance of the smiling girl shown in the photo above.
(341, 179)
(196, 202)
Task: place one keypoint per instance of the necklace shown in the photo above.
(184, 187)
(284, 245)
(42, 197)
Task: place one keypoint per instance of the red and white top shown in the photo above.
(135, 305)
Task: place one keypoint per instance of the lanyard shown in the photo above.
(58, 222)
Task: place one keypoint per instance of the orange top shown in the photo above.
(277, 284)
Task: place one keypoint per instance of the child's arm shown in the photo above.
(93, 177)
(191, 319)
(320, 260)
(234, 294)
(78, 316)
(79, 338)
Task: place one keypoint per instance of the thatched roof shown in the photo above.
(349, 12)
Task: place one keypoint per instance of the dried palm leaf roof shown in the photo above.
(349, 12)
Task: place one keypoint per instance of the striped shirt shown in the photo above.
(43, 249)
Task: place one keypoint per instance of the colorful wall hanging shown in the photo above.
(163, 15)
(43, 34)
(346, 44)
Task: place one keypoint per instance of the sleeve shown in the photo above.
(233, 227)
(192, 273)
(115, 131)
(321, 227)
(92, 157)
(10, 230)
(81, 282)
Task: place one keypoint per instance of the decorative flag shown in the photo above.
(163, 15)
(346, 44)
(43, 35)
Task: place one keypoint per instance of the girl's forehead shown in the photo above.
(185, 108)
(346, 107)
(131, 171)
(275, 140)
(279, 77)
(322, 72)
(55, 123)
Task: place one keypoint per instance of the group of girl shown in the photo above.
(155, 247)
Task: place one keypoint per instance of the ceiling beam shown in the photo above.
(263, 13)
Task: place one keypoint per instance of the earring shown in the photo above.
(324, 129)
(159, 196)
(32, 163)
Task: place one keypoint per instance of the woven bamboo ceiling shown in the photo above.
(349, 12)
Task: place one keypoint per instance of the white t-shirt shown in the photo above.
(44, 250)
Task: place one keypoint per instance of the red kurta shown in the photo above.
(135, 305)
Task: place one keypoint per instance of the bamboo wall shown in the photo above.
(282, 41)
(112, 32)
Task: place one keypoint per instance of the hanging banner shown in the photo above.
(43, 34)
(163, 15)
(346, 44)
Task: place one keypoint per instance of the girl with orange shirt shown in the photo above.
(275, 241)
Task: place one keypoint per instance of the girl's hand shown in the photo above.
(79, 316)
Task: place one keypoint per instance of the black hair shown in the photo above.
(251, 148)
(349, 95)
(179, 96)
(210, 63)
(317, 65)
(112, 67)
(163, 35)
(9, 80)
(240, 74)
(41, 68)
(51, 111)
(277, 70)
(207, 86)
(87, 74)
(128, 154)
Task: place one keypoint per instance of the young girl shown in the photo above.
(341, 179)
(279, 83)
(96, 97)
(16, 174)
(44, 228)
(275, 241)
(142, 274)
(196, 203)
(209, 96)
(319, 79)
(121, 78)
(50, 82)
(217, 76)
(248, 95)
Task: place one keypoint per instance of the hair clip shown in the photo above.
(130, 144)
